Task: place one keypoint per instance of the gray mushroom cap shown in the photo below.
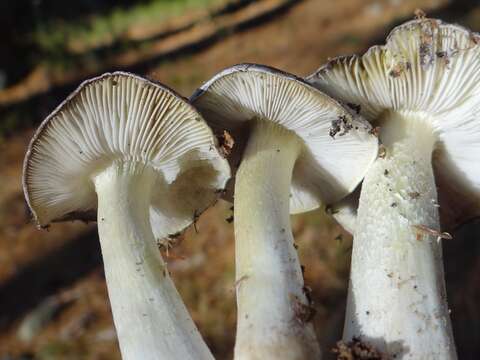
(122, 117)
(338, 145)
(430, 68)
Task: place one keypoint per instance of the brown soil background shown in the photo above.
(64, 263)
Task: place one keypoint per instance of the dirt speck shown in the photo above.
(340, 126)
(414, 195)
(375, 131)
(307, 290)
(226, 142)
(426, 52)
(303, 313)
(419, 14)
(382, 152)
(399, 68)
(356, 350)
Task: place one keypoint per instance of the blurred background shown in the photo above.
(53, 299)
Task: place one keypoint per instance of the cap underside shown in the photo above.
(338, 146)
(122, 117)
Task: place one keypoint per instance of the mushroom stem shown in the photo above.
(273, 320)
(150, 317)
(397, 299)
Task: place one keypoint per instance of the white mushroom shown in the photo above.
(129, 150)
(298, 147)
(423, 89)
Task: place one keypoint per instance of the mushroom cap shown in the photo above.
(430, 68)
(337, 145)
(122, 117)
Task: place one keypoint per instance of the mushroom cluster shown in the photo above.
(144, 163)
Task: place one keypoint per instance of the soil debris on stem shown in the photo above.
(356, 350)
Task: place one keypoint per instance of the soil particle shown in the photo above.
(307, 290)
(414, 195)
(382, 152)
(419, 14)
(335, 128)
(226, 142)
(340, 126)
(426, 52)
(399, 68)
(356, 350)
(444, 55)
(375, 131)
(303, 313)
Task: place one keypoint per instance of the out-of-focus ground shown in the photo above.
(53, 299)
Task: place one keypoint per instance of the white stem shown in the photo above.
(397, 298)
(150, 317)
(272, 320)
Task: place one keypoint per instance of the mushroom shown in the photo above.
(422, 89)
(298, 148)
(135, 154)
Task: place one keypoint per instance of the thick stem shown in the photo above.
(150, 317)
(397, 299)
(273, 312)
